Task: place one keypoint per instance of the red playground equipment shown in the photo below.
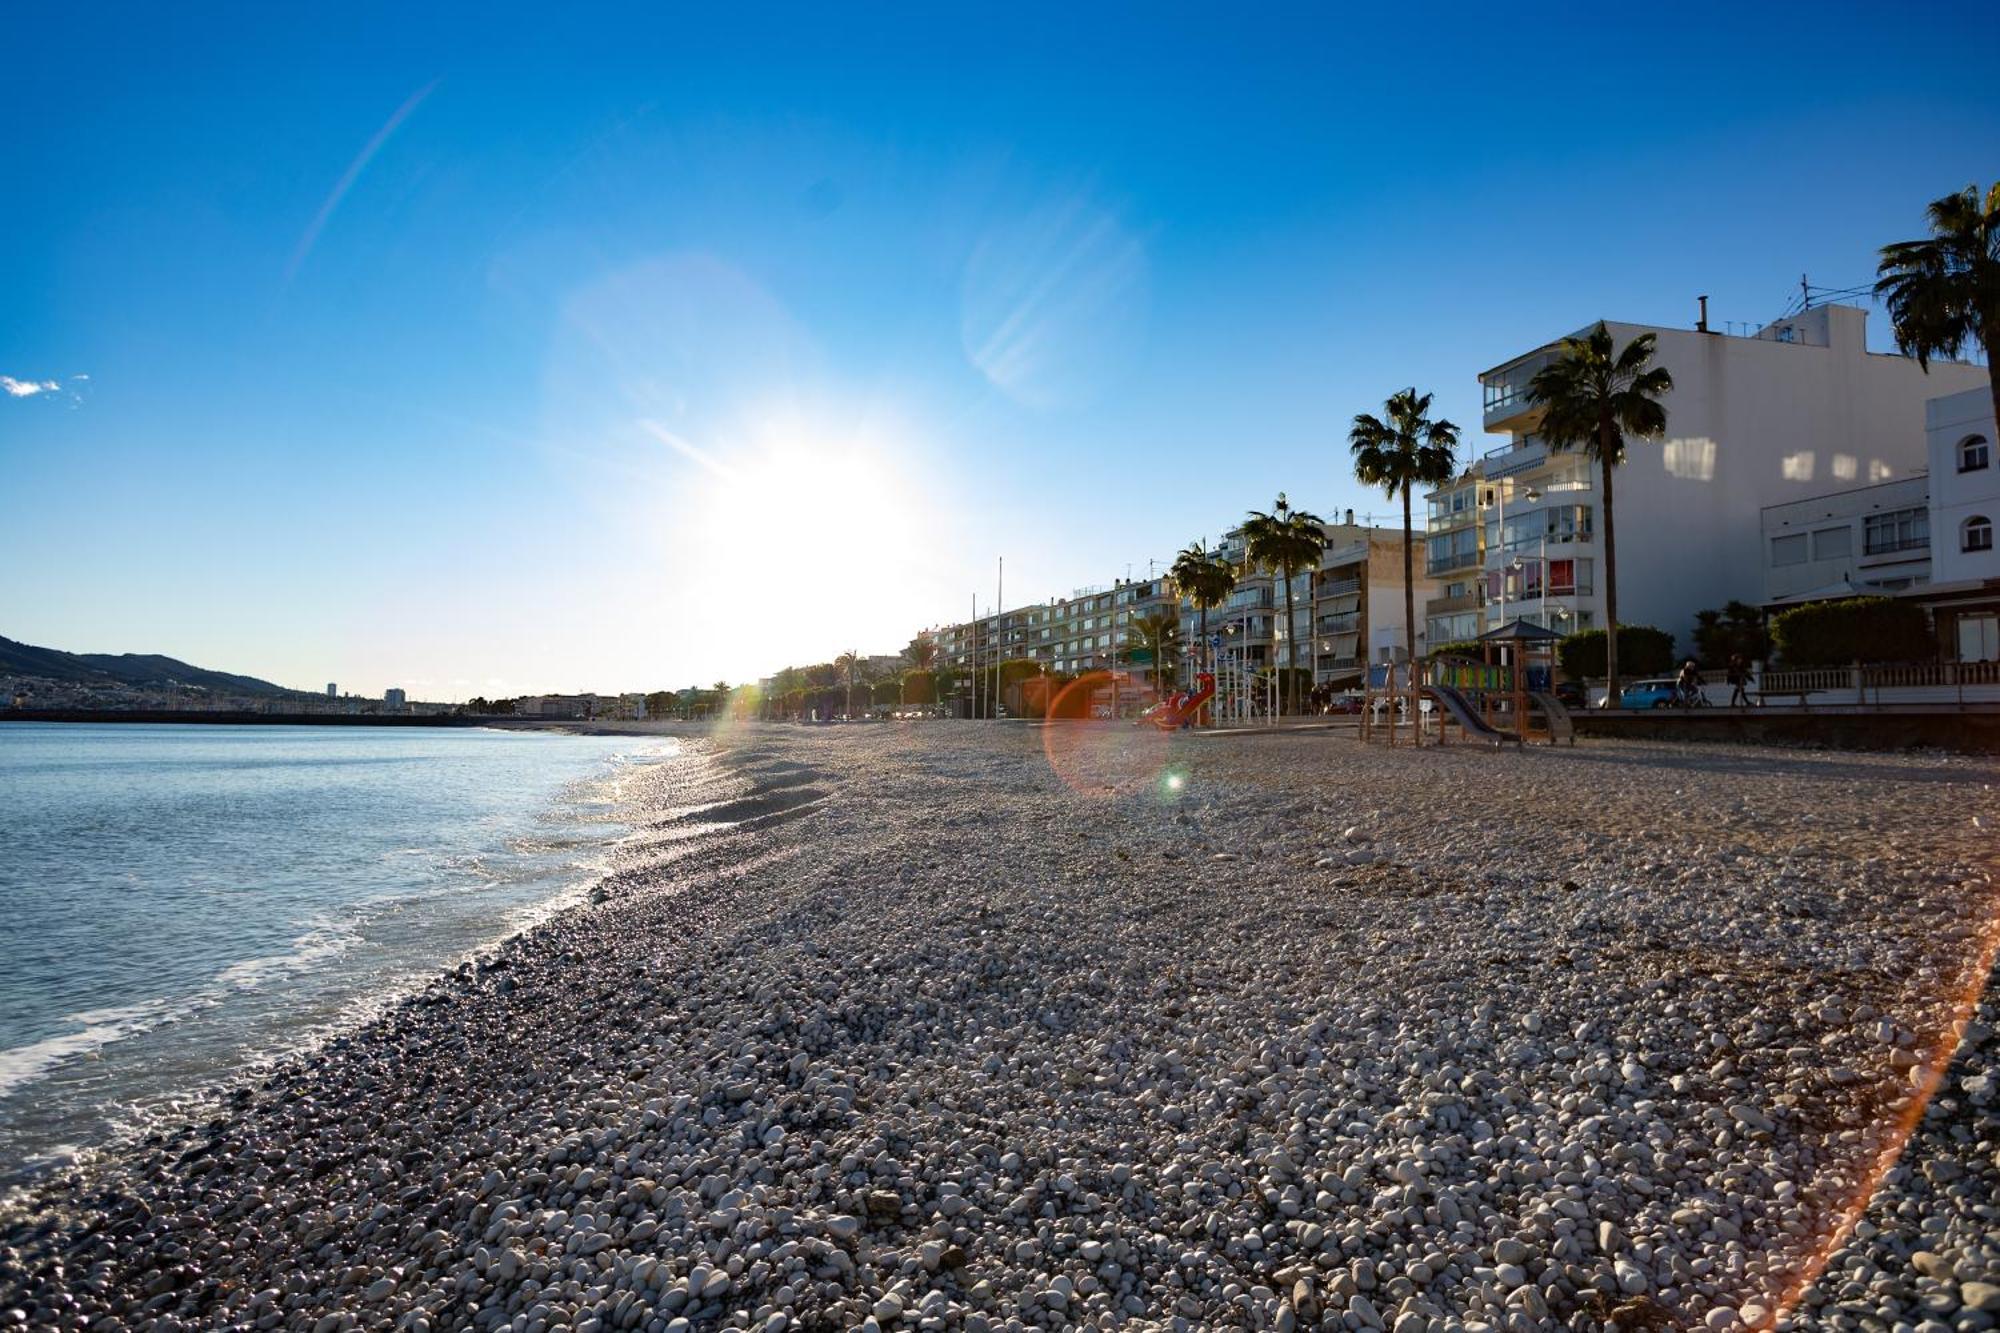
(1179, 710)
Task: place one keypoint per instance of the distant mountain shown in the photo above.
(144, 670)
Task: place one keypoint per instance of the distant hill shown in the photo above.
(145, 670)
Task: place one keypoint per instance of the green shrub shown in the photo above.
(1642, 651)
(920, 687)
(1471, 648)
(1859, 629)
(888, 691)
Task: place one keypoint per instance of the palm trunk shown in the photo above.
(1202, 659)
(1409, 630)
(1611, 699)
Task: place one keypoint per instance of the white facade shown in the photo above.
(1964, 486)
(1799, 408)
(1869, 540)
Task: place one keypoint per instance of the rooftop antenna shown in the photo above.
(1805, 294)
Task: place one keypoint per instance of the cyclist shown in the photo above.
(1687, 686)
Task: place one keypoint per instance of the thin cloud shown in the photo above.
(28, 388)
(348, 177)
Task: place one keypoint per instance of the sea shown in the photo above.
(181, 902)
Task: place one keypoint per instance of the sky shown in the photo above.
(506, 349)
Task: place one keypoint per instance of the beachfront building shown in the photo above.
(1349, 609)
(1864, 541)
(1754, 421)
(1928, 537)
(1964, 596)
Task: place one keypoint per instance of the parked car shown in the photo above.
(1345, 703)
(1655, 693)
(1570, 694)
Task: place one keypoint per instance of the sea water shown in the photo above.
(179, 901)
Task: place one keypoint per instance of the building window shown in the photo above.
(1897, 530)
(1973, 453)
(1979, 637)
(1975, 534)
(1833, 543)
(1789, 550)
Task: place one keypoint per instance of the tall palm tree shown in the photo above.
(1401, 450)
(1204, 578)
(1159, 632)
(1592, 396)
(1944, 292)
(921, 653)
(1285, 542)
(846, 664)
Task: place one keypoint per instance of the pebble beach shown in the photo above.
(993, 1027)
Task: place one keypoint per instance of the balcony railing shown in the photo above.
(1341, 624)
(1336, 587)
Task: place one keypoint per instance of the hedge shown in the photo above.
(920, 687)
(1859, 629)
(1642, 651)
(1472, 648)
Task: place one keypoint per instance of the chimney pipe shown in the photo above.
(1350, 518)
(1701, 325)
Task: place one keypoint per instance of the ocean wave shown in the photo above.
(324, 941)
(22, 1065)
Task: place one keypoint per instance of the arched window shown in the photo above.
(1974, 453)
(1976, 534)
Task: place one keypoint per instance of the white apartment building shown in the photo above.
(1928, 537)
(1964, 595)
(1800, 406)
(1867, 541)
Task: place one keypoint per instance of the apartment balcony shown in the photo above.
(1336, 587)
(1512, 459)
(1467, 563)
(1347, 623)
(1444, 606)
(1506, 405)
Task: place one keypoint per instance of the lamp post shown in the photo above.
(1531, 495)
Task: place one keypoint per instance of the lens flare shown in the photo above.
(1093, 750)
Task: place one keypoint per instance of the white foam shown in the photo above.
(315, 946)
(21, 1065)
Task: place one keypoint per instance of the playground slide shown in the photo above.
(1560, 726)
(1171, 713)
(1461, 711)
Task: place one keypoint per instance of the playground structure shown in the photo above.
(1181, 709)
(1507, 697)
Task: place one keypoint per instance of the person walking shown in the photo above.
(1739, 681)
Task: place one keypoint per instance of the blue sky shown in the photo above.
(508, 349)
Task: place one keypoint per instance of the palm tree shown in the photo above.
(921, 653)
(846, 664)
(1944, 292)
(1204, 578)
(1399, 451)
(1285, 542)
(1159, 632)
(1592, 396)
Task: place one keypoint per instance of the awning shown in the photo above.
(1520, 629)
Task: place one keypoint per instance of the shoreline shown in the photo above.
(833, 1046)
(118, 1124)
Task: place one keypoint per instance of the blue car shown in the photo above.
(1649, 694)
